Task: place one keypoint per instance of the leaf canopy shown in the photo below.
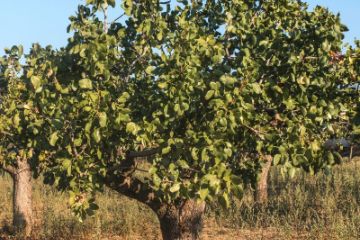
(209, 88)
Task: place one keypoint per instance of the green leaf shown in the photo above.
(122, 118)
(66, 163)
(162, 85)
(277, 89)
(214, 86)
(315, 146)
(204, 155)
(175, 187)
(209, 94)
(78, 142)
(256, 88)
(96, 135)
(203, 193)
(88, 127)
(16, 120)
(227, 80)
(131, 128)
(124, 97)
(183, 164)
(53, 138)
(102, 119)
(177, 107)
(290, 104)
(85, 83)
(149, 69)
(194, 154)
(277, 159)
(36, 82)
(166, 150)
(156, 180)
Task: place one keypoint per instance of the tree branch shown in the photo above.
(124, 183)
(113, 21)
(128, 164)
(144, 153)
(133, 188)
(105, 18)
(257, 132)
(7, 133)
(9, 169)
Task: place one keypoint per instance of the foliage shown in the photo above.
(19, 122)
(203, 90)
(353, 56)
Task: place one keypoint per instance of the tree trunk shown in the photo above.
(22, 194)
(261, 193)
(183, 222)
(180, 221)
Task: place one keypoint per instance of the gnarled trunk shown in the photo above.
(182, 222)
(261, 193)
(22, 194)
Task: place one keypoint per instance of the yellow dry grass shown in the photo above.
(306, 207)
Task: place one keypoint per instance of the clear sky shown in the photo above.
(44, 21)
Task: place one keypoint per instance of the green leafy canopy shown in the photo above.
(201, 91)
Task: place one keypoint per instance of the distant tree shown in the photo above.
(181, 104)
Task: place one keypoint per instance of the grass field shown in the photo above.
(306, 207)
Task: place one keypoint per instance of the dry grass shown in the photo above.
(306, 207)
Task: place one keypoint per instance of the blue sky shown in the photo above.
(27, 21)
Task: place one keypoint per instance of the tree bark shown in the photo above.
(261, 192)
(183, 222)
(22, 194)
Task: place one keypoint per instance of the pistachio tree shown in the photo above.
(18, 126)
(179, 103)
(352, 58)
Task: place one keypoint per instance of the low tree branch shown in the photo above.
(119, 178)
(128, 164)
(9, 169)
(144, 153)
(133, 188)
